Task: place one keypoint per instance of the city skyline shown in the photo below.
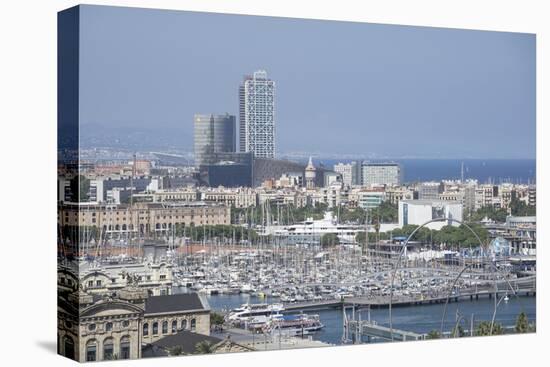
(460, 85)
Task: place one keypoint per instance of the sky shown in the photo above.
(342, 87)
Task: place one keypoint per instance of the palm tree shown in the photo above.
(484, 328)
(434, 334)
(204, 347)
(176, 351)
(522, 323)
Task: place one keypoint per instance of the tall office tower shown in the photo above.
(213, 134)
(346, 170)
(380, 174)
(257, 115)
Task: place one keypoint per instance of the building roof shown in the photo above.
(175, 303)
(431, 202)
(186, 339)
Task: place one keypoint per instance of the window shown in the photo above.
(125, 347)
(145, 329)
(91, 327)
(174, 326)
(109, 326)
(163, 277)
(155, 328)
(91, 351)
(193, 324)
(125, 323)
(165, 327)
(69, 347)
(184, 324)
(108, 349)
(98, 283)
(90, 283)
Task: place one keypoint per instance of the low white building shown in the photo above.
(417, 212)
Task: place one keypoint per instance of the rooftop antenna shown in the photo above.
(462, 172)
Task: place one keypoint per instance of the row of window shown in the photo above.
(174, 329)
(108, 325)
(108, 349)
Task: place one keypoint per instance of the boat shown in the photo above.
(254, 313)
(292, 325)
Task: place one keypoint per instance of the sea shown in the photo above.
(419, 318)
(496, 171)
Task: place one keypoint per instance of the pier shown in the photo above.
(522, 287)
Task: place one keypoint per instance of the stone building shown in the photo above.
(167, 315)
(110, 329)
(145, 219)
(96, 327)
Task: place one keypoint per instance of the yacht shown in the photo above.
(254, 313)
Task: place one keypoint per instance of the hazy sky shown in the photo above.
(341, 87)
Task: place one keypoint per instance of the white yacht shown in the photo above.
(254, 313)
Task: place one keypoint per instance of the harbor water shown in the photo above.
(419, 318)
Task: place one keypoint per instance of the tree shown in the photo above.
(204, 347)
(484, 329)
(176, 351)
(458, 331)
(520, 208)
(434, 334)
(216, 318)
(522, 323)
(329, 240)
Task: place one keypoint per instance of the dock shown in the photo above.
(522, 287)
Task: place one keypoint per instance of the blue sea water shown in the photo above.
(419, 319)
(484, 170)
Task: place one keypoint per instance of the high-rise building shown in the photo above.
(213, 134)
(380, 174)
(346, 170)
(257, 115)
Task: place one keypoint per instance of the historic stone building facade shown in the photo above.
(143, 219)
(110, 329)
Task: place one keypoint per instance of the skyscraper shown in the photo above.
(257, 115)
(213, 134)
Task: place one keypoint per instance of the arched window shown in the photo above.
(145, 329)
(165, 327)
(157, 226)
(109, 326)
(108, 349)
(125, 347)
(117, 227)
(155, 328)
(193, 324)
(184, 324)
(91, 350)
(124, 227)
(174, 326)
(69, 347)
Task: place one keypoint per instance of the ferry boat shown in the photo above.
(291, 325)
(254, 313)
